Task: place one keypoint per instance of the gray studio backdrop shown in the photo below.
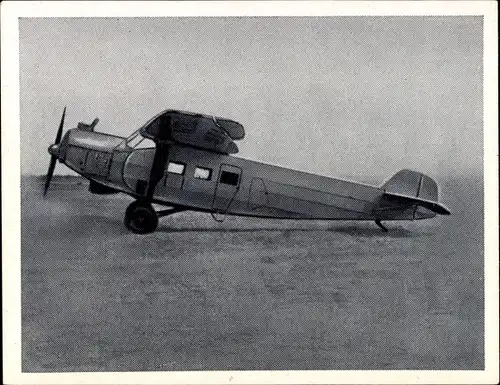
(333, 95)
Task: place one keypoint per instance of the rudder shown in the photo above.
(414, 184)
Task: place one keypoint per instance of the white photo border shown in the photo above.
(11, 11)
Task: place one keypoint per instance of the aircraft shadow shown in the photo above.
(349, 230)
(104, 225)
(370, 232)
(229, 230)
(90, 225)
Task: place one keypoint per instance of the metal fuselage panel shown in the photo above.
(262, 190)
(95, 156)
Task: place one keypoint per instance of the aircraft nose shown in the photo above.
(59, 149)
(54, 149)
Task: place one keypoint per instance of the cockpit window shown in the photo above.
(137, 141)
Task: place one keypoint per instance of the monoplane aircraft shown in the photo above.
(188, 165)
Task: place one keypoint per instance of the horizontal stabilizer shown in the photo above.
(411, 200)
(410, 195)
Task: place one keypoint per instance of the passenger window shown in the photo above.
(230, 178)
(176, 168)
(203, 173)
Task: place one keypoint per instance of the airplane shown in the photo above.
(186, 161)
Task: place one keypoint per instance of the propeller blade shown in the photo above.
(53, 159)
(59, 131)
(50, 172)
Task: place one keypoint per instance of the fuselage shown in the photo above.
(208, 181)
(214, 182)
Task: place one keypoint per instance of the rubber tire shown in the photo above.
(141, 218)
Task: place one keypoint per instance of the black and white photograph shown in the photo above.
(230, 193)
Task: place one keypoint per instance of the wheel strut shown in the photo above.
(173, 210)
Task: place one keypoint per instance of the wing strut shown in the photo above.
(159, 162)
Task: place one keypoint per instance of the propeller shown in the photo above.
(53, 158)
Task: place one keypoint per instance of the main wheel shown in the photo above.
(141, 218)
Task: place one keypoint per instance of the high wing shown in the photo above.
(196, 130)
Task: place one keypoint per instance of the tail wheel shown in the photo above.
(141, 218)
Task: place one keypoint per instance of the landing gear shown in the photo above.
(141, 218)
(379, 224)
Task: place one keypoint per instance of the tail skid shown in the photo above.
(379, 224)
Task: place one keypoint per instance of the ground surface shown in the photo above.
(247, 293)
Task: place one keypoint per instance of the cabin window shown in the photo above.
(176, 168)
(230, 178)
(203, 173)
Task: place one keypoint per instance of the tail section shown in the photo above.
(410, 195)
(414, 184)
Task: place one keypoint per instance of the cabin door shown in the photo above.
(228, 184)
